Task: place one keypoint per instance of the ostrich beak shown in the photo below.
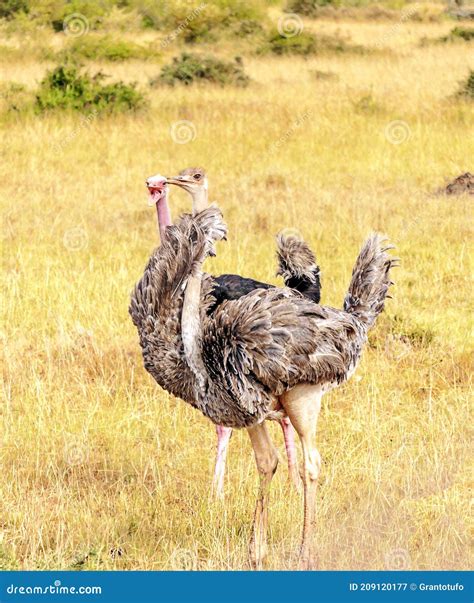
(181, 181)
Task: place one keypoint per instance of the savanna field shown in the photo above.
(358, 131)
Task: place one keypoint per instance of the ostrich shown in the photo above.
(269, 354)
(297, 265)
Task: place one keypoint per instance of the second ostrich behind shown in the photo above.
(267, 355)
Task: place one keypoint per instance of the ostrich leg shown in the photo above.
(223, 437)
(302, 405)
(289, 435)
(266, 457)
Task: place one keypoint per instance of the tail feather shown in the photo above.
(297, 265)
(370, 280)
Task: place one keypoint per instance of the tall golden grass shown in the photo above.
(100, 468)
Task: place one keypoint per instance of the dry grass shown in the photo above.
(97, 458)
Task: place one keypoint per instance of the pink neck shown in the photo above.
(163, 213)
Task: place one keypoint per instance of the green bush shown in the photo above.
(190, 68)
(303, 43)
(459, 33)
(66, 88)
(306, 43)
(466, 89)
(308, 8)
(380, 9)
(104, 48)
(199, 20)
(79, 15)
(248, 27)
(9, 8)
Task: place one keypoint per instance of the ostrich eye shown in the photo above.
(197, 176)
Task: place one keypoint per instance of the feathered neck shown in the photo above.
(200, 199)
(191, 316)
(163, 214)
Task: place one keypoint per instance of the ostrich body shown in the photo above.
(297, 266)
(269, 354)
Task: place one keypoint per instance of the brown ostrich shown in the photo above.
(269, 354)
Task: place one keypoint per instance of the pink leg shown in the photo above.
(289, 435)
(223, 437)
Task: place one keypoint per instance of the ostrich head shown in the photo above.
(157, 188)
(194, 181)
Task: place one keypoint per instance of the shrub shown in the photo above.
(83, 14)
(248, 27)
(190, 68)
(459, 33)
(104, 48)
(9, 8)
(384, 9)
(308, 8)
(199, 20)
(466, 89)
(306, 43)
(66, 88)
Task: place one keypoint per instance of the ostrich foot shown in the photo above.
(307, 561)
(257, 555)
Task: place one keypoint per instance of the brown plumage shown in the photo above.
(300, 272)
(268, 354)
(256, 347)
